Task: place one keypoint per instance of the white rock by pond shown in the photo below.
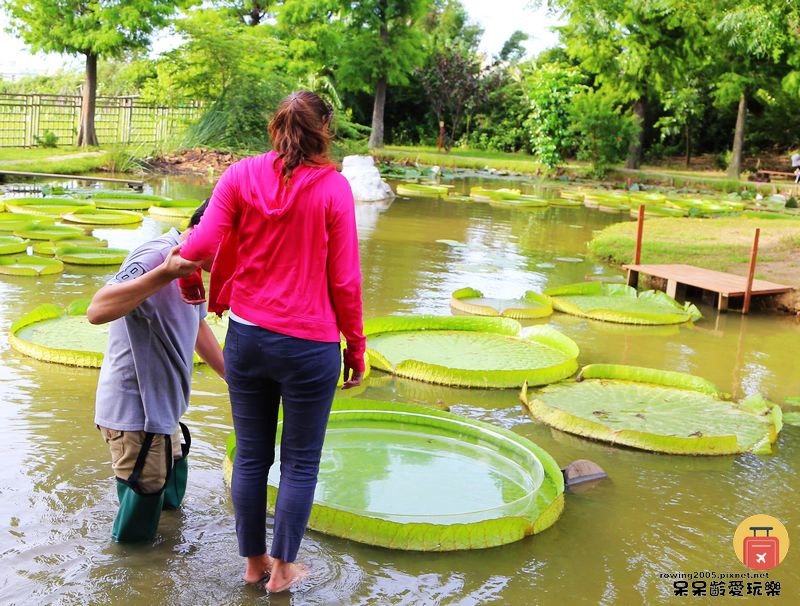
(365, 180)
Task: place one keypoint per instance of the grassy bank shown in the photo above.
(668, 177)
(59, 160)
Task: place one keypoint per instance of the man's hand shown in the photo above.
(177, 267)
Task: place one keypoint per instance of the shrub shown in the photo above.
(47, 139)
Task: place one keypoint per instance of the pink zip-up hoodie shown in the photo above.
(286, 254)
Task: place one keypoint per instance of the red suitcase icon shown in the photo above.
(761, 553)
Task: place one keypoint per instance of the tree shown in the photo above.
(636, 50)
(381, 45)
(239, 72)
(761, 36)
(602, 132)
(90, 28)
(453, 84)
(550, 90)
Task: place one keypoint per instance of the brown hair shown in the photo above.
(300, 132)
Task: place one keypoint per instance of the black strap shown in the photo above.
(187, 440)
(133, 479)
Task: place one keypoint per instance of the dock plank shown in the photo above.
(725, 285)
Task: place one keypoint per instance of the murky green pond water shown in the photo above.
(657, 515)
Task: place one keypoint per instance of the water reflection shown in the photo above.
(656, 514)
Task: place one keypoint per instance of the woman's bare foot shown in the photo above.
(284, 575)
(257, 568)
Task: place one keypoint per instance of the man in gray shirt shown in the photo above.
(145, 378)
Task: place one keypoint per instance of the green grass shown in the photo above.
(461, 158)
(719, 244)
(59, 160)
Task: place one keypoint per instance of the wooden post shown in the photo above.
(633, 275)
(637, 255)
(751, 273)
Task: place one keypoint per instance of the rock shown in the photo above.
(365, 180)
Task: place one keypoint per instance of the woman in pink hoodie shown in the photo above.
(282, 227)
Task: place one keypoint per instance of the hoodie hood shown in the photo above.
(264, 188)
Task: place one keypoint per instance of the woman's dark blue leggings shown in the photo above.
(262, 368)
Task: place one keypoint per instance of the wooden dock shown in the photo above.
(725, 285)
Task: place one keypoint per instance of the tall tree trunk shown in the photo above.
(738, 138)
(376, 136)
(634, 159)
(86, 133)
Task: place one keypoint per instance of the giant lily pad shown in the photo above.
(63, 335)
(10, 222)
(472, 301)
(470, 352)
(174, 208)
(45, 231)
(29, 265)
(656, 410)
(620, 303)
(12, 245)
(92, 216)
(409, 477)
(46, 206)
(423, 190)
(120, 200)
(48, 247)
(91, 255)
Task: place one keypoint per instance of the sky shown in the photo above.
(499, 19)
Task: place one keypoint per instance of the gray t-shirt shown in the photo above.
(146, 373)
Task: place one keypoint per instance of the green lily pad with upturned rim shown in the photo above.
(423, 190)
(10, 223)
(48, 247)
(92, 216)
(46, 231)
(620, 303)
(46, 206)
(13, 245)
(122, 203)
(661, 411)
(91, 255)
(120, 200)
(418, 479)
(29, 265)
(63, 335)
(472, 301)
(172, 209)
(469, 351)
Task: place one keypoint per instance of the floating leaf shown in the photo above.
(472, 301)
(423, 190)
(428, 480)
(661, 413)
(174, 208)
(12, 245)
(48, 247)
(46, 206)
(44, 231)
(29, 265)
(620, 303)
(102, 217)
(91, 255)
(469, 351)
(63, 335)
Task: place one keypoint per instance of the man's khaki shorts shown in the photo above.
(125, 447)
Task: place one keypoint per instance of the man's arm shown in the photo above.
(207, 347)
(113, 301)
